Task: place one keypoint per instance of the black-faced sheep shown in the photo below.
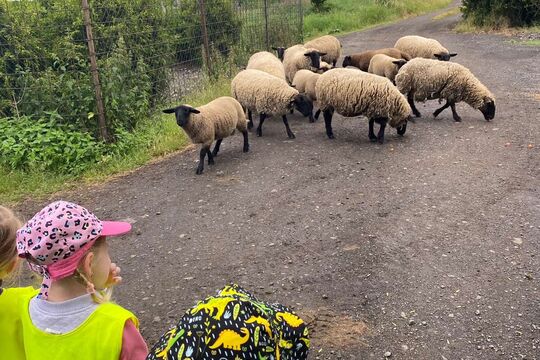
(268, 95)
(214, 121)
(418, 46)
(299, 57)
(426, 79)
(361, 60)
(384, 65)
(351, 93)
(329, 45)
(304, 81)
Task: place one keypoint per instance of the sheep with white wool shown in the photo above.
(304, 81)
(426, 79)
(299, 57)
(328, 44)
(351, 92)
(268, 95)
(214, 121)
(384, 65)
(419, 46)
(267, 62)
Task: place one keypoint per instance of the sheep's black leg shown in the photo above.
(202, 154)
(210, 157)
(334, 63)
(317, 114)
(380, 135)
(328, 122)
(261, 121)
(401, 129)
(250, 122)
(289, 132)
(371, 133)
(311, 118)
(216, 147)
(439, 110)
(410, 99)
(246, 142)
(454, 112)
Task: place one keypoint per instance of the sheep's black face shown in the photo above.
(303, 104)
(444, 57)
(280, 51)
(315, 58)
(182, 113)
(488, 109)
(346, 61)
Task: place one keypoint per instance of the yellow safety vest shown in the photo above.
(99, 337)
(11, 344)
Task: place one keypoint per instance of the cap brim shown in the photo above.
(115, 228)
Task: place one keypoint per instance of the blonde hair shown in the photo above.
(9, 224)
(98, 296)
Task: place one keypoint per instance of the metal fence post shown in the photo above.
(202, 10)
(266, 24)
(94, 71)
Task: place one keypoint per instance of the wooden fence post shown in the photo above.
(202, 10)
(94, 71)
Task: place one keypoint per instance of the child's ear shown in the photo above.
(86, 264)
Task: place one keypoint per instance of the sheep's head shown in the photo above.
(280, 51)
(444, 56)
(302, 103)
(315, 58)
(182, 114)
(347, 61)
(399, 63)
(488, 108)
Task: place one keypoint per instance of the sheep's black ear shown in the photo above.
(322, 54)
(293, 86)
(438, 56)
(195, 111)
(453, 54)
(169, 111)
(307, 54)
(274, 48)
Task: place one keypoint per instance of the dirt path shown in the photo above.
(426, 247)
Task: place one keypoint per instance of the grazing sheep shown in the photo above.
(351, 92)
(384, 65)
(329, 45)
(418, 46)
(214, 121)
(426, 79)
(304, 81)
(361, 60)
(299, 57)
(267, 95)
(267, 62)
(280, 51)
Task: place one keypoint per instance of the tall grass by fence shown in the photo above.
(147, 52)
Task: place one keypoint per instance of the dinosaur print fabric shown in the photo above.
(234, 325)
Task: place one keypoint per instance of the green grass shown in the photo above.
(352, 15)
(533, 42)
(159, 136)
(451, 12)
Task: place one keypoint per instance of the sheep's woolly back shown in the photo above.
(382, 65)
(327, 44)
(267, 62)
(304, 81)
(217, 120)
(432, 79)
(294, 60)
(262, 93)
(352, 93)
(418, 46)
(363, 59)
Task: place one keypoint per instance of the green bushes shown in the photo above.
(502, 13)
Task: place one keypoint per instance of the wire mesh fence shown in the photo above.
(147, 52)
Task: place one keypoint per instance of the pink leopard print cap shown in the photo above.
(56, 238)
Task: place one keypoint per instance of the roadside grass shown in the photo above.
(157, 137)
(532, 42)
(468, 26)
(353, 15)
(451, 12)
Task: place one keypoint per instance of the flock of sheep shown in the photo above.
(382, 85)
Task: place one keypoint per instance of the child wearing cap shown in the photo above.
(72, 316)
(10, 299)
